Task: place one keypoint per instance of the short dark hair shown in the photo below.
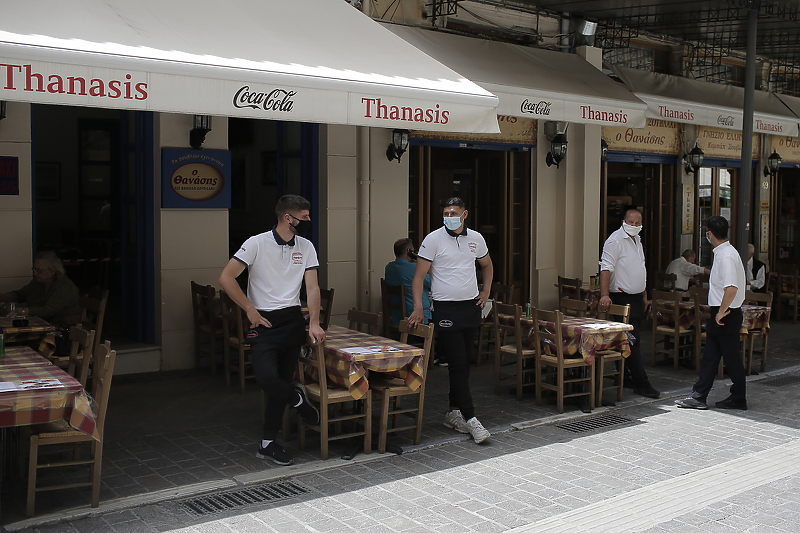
(401, 246)
(629, 209)
(718, 226)
(291, 203)
(456, 201)
(688, 253)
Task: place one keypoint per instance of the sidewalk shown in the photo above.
(176, 434)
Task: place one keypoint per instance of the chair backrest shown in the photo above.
(93, 312)
(392, 298)
(326, 307)
(665, 282)
(702, 312)
(514, 329)
(106, 357)
(570, 307)
(80, 353)
(569, 288)
(662, 301)
(423, 332)
(758, 298)
(233, 324)
(313, 356)
(616, 313)
(502, 293)
(549, 339)
(699, 292)
(364, 322)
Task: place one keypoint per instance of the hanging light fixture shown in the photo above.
(398, 146)
(201, 126)
(695, 160)
(585, 32)
(773, 164)
(558, 150)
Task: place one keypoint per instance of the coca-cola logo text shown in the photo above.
(725, 121)
(275, 100)
(536, 108)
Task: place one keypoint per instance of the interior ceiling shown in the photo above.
(717, 23)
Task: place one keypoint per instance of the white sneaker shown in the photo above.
(455, 420)
(479, 433)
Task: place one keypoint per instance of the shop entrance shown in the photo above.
(784, 248)
(495, 185)
(716, 196)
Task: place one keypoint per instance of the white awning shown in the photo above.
(706, 104)
(793, 103)
(301, 60)
(531, 82)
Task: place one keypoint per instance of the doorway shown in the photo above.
(716, 196)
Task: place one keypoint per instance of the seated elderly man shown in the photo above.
(684, 268)
(50, 295)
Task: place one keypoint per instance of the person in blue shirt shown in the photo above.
(401, 272)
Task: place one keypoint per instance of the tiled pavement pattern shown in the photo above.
(519, 479)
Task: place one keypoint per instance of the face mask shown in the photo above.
(302, 226)
(633, 231)
(452, 223)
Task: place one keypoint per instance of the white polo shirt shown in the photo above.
(683, 270)
(452, 258)
(727, 271)
(276, 269)
(623, 257)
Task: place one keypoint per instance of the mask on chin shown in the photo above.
(633, 231)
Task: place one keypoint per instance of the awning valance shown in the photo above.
(706, 104)
(531, 82)
(301, 60)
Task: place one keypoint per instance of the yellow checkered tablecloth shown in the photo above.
(22, 356)
(584, 335)
(349, 354)
(37, 328)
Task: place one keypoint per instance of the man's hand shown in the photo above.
(722, 315)
(644, 298)
(605, 302)
(256, 319)
(316, 333)
(415, 318)
(482, 298)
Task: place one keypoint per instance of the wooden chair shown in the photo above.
(512, 355)
(364, 322)
(61, 433)
(93, 312)
(569, 288)
(207, 322)
(500, 293)
(679, 338)
(80, 353)
(701, 316)
(665, 282)
(234, 326)
(392, 298)
(391, 391)
(570, 307)
(328, 395)
(785, 287)
(616, 313)
(758, 298)
(326, 307)
(562, 370)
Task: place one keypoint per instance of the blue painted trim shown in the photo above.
(635, 157)
(502, 147)
(729, 163)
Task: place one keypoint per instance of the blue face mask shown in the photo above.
(708, 239)
(452, 223)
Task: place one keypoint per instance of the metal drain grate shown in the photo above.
(594, 422)
(780, 381)
(268, 492)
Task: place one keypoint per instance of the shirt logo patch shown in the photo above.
(473, 247)
(297, 258)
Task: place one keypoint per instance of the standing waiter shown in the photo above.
(450, 253)
(623, 279)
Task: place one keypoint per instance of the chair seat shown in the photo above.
(609, 355)
(512, 349)
(669, 330)
(568, 362)
(337, 394)
(387, 384)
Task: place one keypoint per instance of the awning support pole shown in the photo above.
(745, 181)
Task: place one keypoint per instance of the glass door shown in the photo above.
(715, 197)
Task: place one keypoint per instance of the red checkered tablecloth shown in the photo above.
(37, 329)
(584, 335)
(753, 316)
(349, 354)
(685, 317)
(39, 394)
(22, 356)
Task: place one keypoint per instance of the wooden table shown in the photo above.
(753, 316)
(37, 329)
(584, 335)
(349, 354)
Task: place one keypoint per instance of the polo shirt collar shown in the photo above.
(721, 246)
(278, 239)
(454, 234)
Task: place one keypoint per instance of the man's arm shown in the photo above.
(605, 282)
(316, 333)
(227, 280)
(420, 271)
(760, 279)
(487, 273)
(727, 298)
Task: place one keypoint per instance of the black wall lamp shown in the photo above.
(201, 126)
(603, 150)
(695, 160)
(398, 146)
(773, 164)
(556, 133)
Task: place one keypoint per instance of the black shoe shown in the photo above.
(732, 404)
(439, 362)
(691, 403)
(308, 412)
(275, 452)
(628, 383)
(647, 391)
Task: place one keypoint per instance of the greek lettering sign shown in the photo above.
(657, 137)
(9, 176)
(687, 208)
(513, 130)
(787, 147)
(724, 144)
(195, 178)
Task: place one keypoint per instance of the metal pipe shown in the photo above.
(745, 179)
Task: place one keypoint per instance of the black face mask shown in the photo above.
(302, 226)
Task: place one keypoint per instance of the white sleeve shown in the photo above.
(760, 279)
(611, 252)
(428, 249)
(482, 250)
(248, 251)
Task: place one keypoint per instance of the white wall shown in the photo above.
(192, 244)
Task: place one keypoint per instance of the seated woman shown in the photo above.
(51, 295)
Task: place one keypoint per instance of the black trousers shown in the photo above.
(274, 352)
(458, 347)
(634, 360)
(722, 342)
